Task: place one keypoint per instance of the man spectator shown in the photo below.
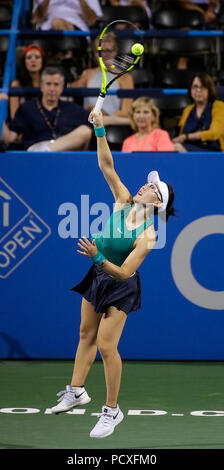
(49, 124)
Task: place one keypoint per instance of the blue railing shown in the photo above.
(10, 60)
(23, 6)
(152, 33)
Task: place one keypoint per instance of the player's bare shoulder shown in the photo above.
(120, 204)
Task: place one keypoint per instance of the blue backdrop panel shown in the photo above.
(47, 201)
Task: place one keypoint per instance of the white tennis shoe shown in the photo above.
(69, 398)
(109, 418)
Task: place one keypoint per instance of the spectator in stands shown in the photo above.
(92, 78)
(207, 7)
(32, 64)
(66, 15)
(201, 123)
(148, 136)
(49, 124)
(209, 11)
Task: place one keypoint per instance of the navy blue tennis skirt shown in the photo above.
(103, 291)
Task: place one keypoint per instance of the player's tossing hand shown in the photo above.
(87, 248)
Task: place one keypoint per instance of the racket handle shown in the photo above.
(98, 105)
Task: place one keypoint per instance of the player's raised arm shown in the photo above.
(106, 163)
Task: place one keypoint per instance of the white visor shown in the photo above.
(153, 177)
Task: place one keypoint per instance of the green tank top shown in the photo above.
(116, 242)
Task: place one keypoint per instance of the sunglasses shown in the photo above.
(107, 51)
(156, 191)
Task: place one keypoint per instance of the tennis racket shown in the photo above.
(124, 57)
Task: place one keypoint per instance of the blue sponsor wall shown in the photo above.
(47, 200)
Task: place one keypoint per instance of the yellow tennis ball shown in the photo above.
(137, 49)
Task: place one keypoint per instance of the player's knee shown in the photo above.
(106, 349)
(87, 334)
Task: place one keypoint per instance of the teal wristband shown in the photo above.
(98, 259)
(100, 131)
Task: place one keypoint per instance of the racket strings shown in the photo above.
(122, 62)
(128, 59)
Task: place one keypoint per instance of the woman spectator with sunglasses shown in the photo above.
(201, 123)
(32, 64)
(114, 107)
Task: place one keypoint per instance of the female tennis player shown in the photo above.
(111, 289)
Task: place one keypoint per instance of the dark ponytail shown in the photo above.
(170, 211)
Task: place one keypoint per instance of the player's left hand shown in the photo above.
(87, 248)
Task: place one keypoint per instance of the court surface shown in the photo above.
(167, 405)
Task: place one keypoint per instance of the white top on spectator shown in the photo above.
(112, 103)
(68, 10)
